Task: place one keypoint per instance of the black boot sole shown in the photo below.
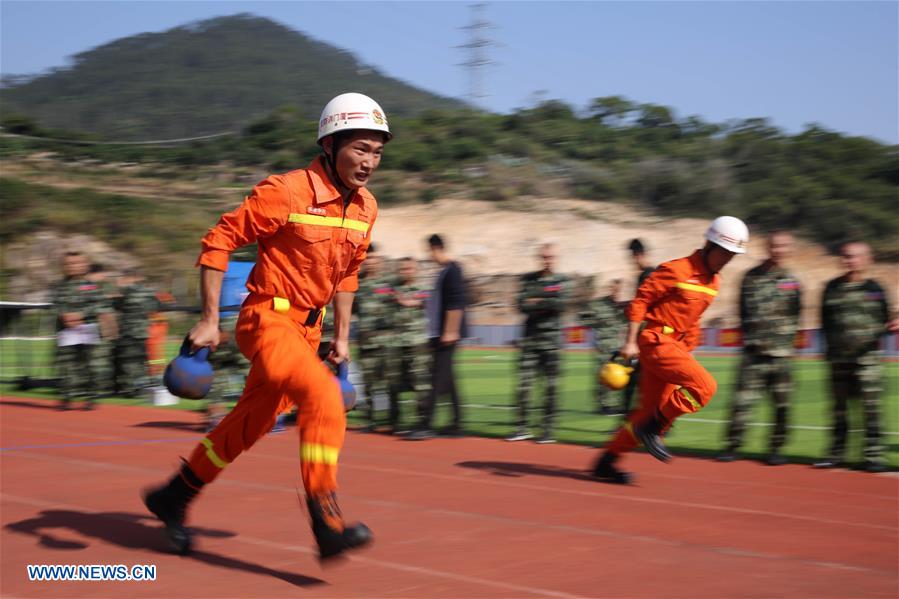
(333, 546)
(177, 535)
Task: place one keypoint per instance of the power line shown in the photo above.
(87, 142)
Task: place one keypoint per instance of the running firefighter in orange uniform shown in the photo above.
(313, 227)
(671, 302)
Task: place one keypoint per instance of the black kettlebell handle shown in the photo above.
(202, 353)
(616, 355)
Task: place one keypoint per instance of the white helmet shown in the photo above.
(351, 111)
(730, 233)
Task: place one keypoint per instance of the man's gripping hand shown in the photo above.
(204, 334)
(339, 351)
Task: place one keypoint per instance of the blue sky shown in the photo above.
(834, 63)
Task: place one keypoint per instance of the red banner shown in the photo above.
(575, 335)
(730, 338)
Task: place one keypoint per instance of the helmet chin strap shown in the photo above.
(332, 162)
(705, 258)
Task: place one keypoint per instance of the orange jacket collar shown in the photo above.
(324, 189)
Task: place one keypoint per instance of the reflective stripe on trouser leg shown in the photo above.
(652, 392)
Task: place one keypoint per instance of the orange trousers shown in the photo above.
(284, 371)
(672, 382)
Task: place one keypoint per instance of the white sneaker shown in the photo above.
(520, 436)
(545, 440)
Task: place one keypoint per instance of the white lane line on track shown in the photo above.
(525, 523)
(403, 507)
(472, 473)
(471, 479)
(530, 590)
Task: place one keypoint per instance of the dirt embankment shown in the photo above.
(495, 242)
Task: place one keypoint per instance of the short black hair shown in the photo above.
(435, 241)
(372, 248)
(636, 246)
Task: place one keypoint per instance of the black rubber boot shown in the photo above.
(331, 535)
(169, 504)
(606, 471)
(649, 434)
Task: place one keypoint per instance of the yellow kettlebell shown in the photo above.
(614, 374)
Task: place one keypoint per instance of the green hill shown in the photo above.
(206, 77)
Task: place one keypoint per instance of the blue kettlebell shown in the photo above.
(347, 390)
(189, 375)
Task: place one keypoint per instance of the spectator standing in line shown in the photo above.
(542, 300)
(78, 303)
(374, 308)
(605, 316)
(134, 304)
(770, 301)
(409, 356)
(854, 317)
(102, 361)
(445, 310)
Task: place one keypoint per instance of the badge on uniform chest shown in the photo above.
(316, 210)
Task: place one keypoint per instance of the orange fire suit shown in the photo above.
(671, 301)
(310, 247)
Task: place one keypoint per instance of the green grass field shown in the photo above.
(487, 379)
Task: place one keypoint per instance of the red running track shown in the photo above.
(452, 518)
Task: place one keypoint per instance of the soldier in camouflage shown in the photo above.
(78, 303)
(606, 317)
(542, 300)
(133, 306)
(374, 308)
(410, 357)
(770, 301)
(854, 317)
(102, 359)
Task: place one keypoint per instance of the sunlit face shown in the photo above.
(856, 257)
(615, 288)
(548, 257)
(717, 257)
(373, 264)
(74, 266)
(780, 247)
(358, 156)
(408, 270)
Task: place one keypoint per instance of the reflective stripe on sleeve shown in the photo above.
(698, 288)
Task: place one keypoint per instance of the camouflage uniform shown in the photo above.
(77, 380)
(606, 318)
(770, 301)
(133, 306)
(852, 318)
(374, 308)
(541, 343)
(101, 359)
(410, 356)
